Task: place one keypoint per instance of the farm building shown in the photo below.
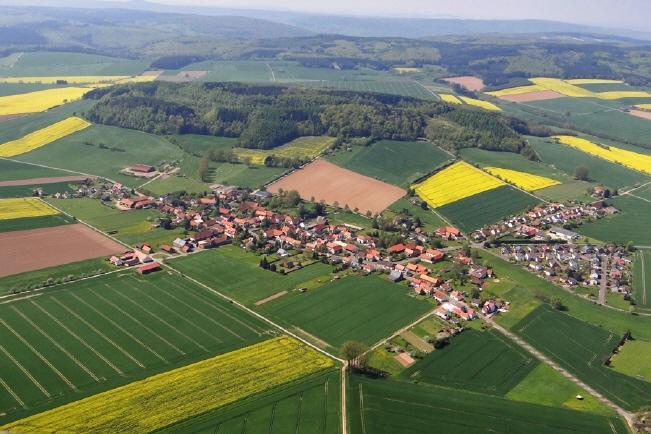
(149, 268)
(142, 168)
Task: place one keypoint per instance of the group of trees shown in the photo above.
(264, 117)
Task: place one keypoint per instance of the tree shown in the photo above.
(264, 264)
(581, 173)
(354, 353)
(630, 246)
(558, 304)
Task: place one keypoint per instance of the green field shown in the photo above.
(28, 190)
(198, 145)
(19, 127)
(126, 147)
(545, 386)
(598, 117)
(398, 163)
(430, 221)
(234, 271)
(131, 227)
(516, 285)
(642, 278)
(11, 171)
(567, 159)
(27, 223)
(308, 406)
(634, 359)
(630, 224)
(483, 362)
(391, 87)
(473, 212)
(365, 309)
(98, 334)
(50, 63)
(390, 407)
(162, 186)
(37, 278)
(582, 349)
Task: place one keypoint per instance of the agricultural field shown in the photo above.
(43, 137)
(230, 173)
(601, 171)
(131, 227)
(7, 89)
(471, 83)
(28, 223)
(365, 309)
(490, 206)
(449, 98)
(98, 334)
(455, 182)
(79, 79)
(395, 162)
(303, 148)
(483, 362)
(48, 247)
(334, 185)
(583, 349)
(523, 180)
(143, 406)
(23, 125)
(24, 208)
(642, 278)
(235, 272)
(40, 100)
(49, 63)
(633, 359)
(632, 160)
(389, 407)
(486, 105)
(198, 145)
(630, 224)
(307, 406)
(104, 151)
(26, 187)
(37, 278)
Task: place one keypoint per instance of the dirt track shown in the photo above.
(42, 181)
(330, 183)
(41, 248)
(540, 95)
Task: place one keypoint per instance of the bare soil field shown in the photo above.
(41, 248)
(405, 359)
(641, 114)
(330, 183)
(42, 181)
(471, 83)
(540, 95)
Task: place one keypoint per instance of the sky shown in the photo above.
(628, 14)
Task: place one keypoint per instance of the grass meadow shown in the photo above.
(642, 278)
(630, 224)
(234, 271)
(94, 335)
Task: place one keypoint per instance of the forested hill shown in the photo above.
(267, 116)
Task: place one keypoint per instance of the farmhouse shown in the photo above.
(142, 168)
(149, 268)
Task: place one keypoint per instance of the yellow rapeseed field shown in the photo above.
(643, 106)
(592, 81)
(41, 100)
(623, 94)
(517, 90)
(523, 180)
(449, 98)
(43, 137)
(562, 87)
(303, 148)
(24, 207)
(630, 159)
(479, 103)
(159, 401)
(458, 181)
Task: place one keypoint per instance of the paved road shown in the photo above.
(603, 283)
(629, 417)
